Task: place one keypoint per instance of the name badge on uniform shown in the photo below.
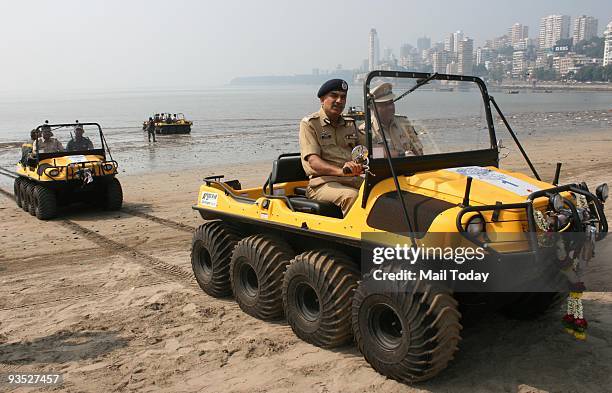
(351, 137)
(325, 135)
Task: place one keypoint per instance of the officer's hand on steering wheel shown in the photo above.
(351, 168)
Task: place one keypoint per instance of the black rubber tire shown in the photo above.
(32, 201)
(407, 331)
(318, 290)
(25, 197)
(113, 198)
(211, 251)
(47, 202)
(256, 272)
(17, 190)
(531, 305)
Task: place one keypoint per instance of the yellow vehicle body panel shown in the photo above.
(67, 167)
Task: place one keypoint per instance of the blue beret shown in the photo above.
(331, 85)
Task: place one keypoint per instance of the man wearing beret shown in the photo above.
(401, 136)
(326, 142)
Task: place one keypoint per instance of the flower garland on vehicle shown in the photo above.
(574, 322)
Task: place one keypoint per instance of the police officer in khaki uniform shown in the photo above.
(47, 144)
(326, 141)
(401, 136)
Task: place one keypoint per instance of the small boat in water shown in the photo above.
(167, 123)
(512, 91)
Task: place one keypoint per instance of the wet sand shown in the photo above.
(107, 300)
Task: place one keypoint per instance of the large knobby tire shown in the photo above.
(32, 201)
(17, 190)
(25, 195)
(113, 199)
(408, 331)
(47, 202)
(318, 290)
(211, 251)
(256, 272)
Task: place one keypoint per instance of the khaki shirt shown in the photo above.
(403, 139)
(50, 146)
(333, 144)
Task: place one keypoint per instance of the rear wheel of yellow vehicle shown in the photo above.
(113, 195)
(408, 331)
(317, 294)
(33, 203)
(25, 196)
(46, 201)
(256, 272)
(211, 251)
(17, 190)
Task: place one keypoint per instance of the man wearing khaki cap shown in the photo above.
(401, 136)
(326, 142)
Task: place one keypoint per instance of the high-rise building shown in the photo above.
(585, 28)
(457, 36)
(517, 34)
(552, 29)
(465, 53)
(483, 55)
(449, 43)
(374, 51)
(439, 61)
(519, 64)
(607, 56)
(423, 43)
(405, 50)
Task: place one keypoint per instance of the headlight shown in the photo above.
(108, 167)
(52, 172)
(556, 201)
(602, 192)
(475, 225)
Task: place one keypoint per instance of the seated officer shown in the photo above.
(79, 142)
(401, 136)
(47, 144)
(26, 148)
(326, 142)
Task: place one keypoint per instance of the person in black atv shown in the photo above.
(79, 142)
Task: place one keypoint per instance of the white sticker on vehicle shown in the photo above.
(501, 180)
(209, 199)
(76, 158)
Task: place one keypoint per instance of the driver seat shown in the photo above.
(288, 168)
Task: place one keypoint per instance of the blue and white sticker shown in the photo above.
(76, 159)
(209, 199)
(497, 179)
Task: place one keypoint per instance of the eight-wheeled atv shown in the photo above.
(282, 254)
(68, 163)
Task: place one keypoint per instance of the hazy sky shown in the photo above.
(128, 44)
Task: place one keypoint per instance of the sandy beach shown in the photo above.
(108, 300)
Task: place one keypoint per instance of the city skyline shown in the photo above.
(113, 44)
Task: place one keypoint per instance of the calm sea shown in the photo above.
(233, 124)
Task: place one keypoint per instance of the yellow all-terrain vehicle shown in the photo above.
(281, 253)
(68, 163)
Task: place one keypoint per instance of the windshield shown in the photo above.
(68, 138)
(441, 116)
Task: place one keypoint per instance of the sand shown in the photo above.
(108, 300)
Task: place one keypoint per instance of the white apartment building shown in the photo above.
(465, 56)
(585, 28)
(552, 29)
(518, 33)
(519, 64)
(607, 56)
(439, 61)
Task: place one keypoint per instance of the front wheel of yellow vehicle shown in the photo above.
(113, 195)
(317, 293)
(256, 272)
(211, 251)
(407, 331)
(46, 202)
